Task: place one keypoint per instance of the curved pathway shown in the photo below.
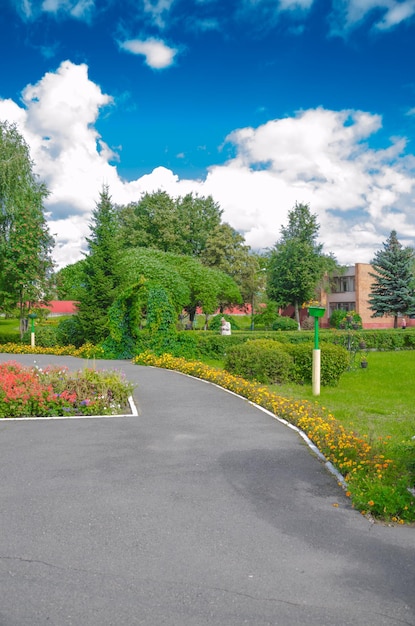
(203, 510)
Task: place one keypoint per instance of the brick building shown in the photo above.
(350, 291)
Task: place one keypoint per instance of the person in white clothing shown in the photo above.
(225, 328)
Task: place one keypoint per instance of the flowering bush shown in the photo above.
(54, 391)
(375, 482)
(86, 351)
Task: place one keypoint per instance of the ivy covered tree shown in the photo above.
(392, 292)
(25, 241)
(187, 281)
(297, 263)
(100, 274)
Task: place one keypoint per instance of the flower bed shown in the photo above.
(54, 391)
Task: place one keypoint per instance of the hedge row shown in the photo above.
(269, 362)
(193, 344)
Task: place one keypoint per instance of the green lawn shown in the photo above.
(378, 401)
(9, 325)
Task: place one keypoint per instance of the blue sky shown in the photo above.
(260, 103)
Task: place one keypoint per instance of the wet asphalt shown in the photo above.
(201, 510)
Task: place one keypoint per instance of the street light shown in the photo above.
(316, 312)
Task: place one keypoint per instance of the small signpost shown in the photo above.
(316, 312)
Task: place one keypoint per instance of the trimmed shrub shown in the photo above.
(284, 323)
(334, 361)
(45, 337)
(9, 338)
(265, 361)
(69, 332)
(216, 346)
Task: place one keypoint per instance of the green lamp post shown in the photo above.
(316, 312)
(32, 317)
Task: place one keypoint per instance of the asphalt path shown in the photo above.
(201, 510)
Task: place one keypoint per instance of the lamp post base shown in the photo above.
(316, 372)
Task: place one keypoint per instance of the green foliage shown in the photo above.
(69, 332)
(25, 242)
(284, 323)
(188, 283)
(265, 361)
(10, 337)
(215, 346)
(70, 281)
(100, 276)
(393, 287)
(297, 263)
(227, 251)
(181, 225)
(215, 322)
(334, 361)
(125, 318)
(267, 316)
(345, 319)
(161, 321)
(45, 336)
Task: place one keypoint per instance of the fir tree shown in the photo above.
(100, 277)
(392, 292)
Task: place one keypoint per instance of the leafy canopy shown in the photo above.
(25, 242)
(297, 263)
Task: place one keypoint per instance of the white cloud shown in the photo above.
(349, 14)
(77, 9)
(397, 13)
(157, 54)
(157, 9)
(317, 156)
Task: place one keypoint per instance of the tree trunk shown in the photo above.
(395, 321)
(297, 314)
(192, 315)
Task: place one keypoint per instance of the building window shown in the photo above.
(344, 306)
(342, 284)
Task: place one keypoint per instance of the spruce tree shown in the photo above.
(392, 292)
(100, 277)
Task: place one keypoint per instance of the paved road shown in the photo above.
(202, 510)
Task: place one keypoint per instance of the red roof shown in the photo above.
(61, 307)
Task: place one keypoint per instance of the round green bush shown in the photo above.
(69, 332)
(334, 361)
(263, 360)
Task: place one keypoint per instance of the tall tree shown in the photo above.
(227, 251)
(180, 225)
(392, 292)
(25, 242)
(100, 274)
(69, 281)
(199, 216)
(297, 263)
